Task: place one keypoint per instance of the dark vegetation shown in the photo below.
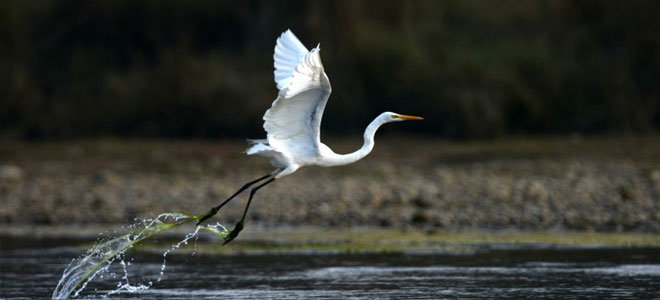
(71, 69)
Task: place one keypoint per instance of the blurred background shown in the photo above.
(186, 69)
(538, 114)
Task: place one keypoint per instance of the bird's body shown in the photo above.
(293, 122)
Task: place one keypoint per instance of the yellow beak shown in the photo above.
(406, 117)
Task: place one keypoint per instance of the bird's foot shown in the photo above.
(234, 233)
(207, 215)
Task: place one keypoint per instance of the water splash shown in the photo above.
(124, 284)
(82, 270)
(174, 247)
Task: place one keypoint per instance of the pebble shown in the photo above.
(550, 193)
(11, 173)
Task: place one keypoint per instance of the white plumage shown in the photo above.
(293, 122)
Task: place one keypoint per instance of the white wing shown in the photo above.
(289, 51)
(294, 120)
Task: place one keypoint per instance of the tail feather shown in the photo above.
(275, 157)
(259, 147)
(258, 141)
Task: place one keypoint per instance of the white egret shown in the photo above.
(293, 122)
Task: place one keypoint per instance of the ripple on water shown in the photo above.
(624, 274)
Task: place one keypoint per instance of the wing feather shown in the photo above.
(293, 121)
(289, 51)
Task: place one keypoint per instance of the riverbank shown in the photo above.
(317, 240)
(552, 184)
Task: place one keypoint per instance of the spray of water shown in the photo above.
(82, 270)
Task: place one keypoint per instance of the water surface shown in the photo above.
(30, 270)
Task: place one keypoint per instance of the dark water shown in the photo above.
(492, 271)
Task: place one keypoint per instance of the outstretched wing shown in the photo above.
(294, 120)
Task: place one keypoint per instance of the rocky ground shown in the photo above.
(605, 184)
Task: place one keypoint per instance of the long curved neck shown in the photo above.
(369, 133)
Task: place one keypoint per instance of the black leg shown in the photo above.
(252, 192)
(215, 210)
(239, 226)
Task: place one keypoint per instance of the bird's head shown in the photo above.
(394, 117)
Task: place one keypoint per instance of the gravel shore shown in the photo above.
(608, 184)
